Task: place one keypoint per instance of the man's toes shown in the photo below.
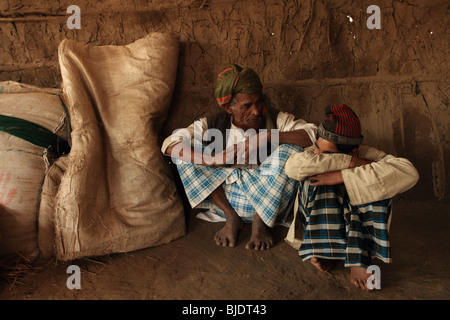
(266, 245)
(263, 246)
(219, 240)
(225, 242)
(259, 245)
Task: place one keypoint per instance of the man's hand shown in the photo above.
(326, 179)
(335, 177)
(226, 157)
(248, 152)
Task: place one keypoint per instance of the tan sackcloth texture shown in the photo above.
(117, 193)
(42, 106)
(46, 217)
(23, 164)
(22, 169)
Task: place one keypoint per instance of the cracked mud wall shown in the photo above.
(309, 54)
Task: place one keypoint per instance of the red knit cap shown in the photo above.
(342, 125)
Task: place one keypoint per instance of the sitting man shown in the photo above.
(230, 180)
(344, 198)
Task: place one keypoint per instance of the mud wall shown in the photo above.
(309, 54)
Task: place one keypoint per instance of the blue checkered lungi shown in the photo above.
(265, 190)
(335, 229)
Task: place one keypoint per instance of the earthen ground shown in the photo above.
(195, 268)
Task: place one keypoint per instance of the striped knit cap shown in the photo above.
(342, 126)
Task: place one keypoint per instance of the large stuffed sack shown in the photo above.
(117, 193)
(28, 117)
(47, 209)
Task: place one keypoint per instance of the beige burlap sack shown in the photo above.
(46, 217)
(42, 106)
(22, 169)
(23, 164)
(117, 193)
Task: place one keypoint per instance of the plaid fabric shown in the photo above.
(334, 229)
(265, 190)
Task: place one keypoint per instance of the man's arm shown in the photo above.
(182, 150)
(246, 151)
(295, 131)
(380, 179)
(298, 137)
(185, 152)
(366, 180)
(306, 164)
(335, 177)
(178, 145)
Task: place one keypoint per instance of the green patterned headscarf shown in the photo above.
(236, 79)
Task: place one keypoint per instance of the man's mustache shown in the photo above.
(256, 119)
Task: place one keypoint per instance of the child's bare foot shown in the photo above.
(261, 238)
(359, 276)
(323, 264)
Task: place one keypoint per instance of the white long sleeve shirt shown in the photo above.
(379, 180)
(285, 122)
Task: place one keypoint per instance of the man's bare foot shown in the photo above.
(323, 264)
(228, 235)
(359, 276)
(261, 238)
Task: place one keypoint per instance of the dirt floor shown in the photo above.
(195, 268)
